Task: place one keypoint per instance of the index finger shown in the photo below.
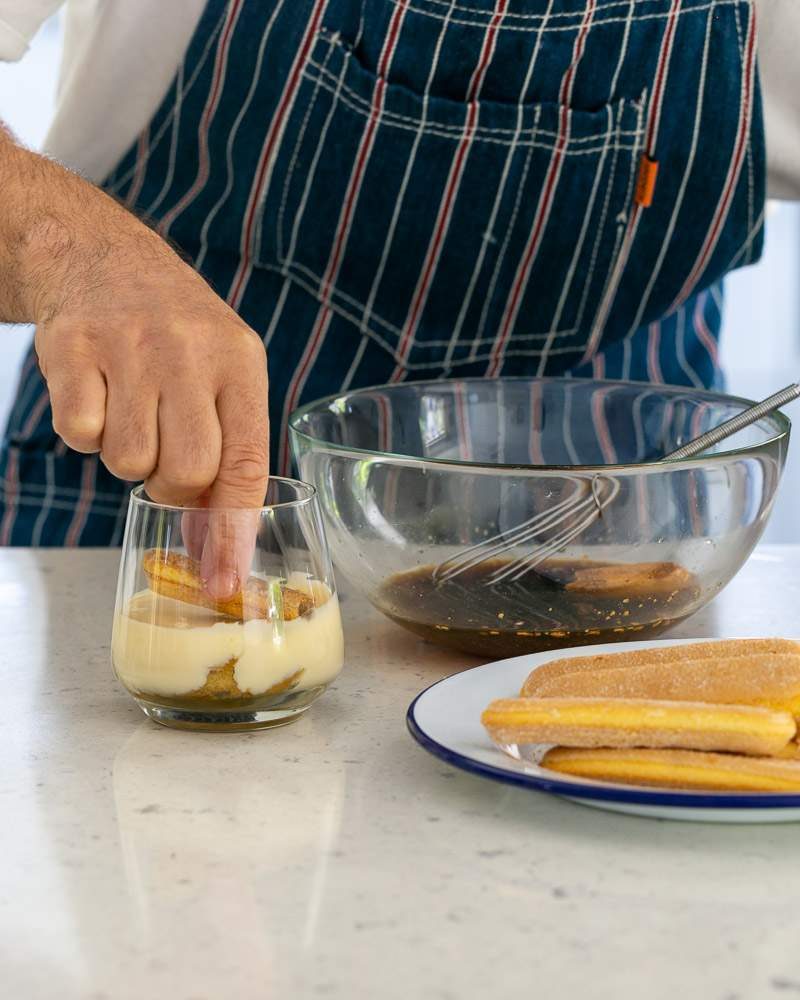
(237, 494)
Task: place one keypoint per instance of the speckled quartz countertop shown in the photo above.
(334, 858)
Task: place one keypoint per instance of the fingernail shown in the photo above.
(222, 584)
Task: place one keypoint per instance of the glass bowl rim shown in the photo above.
(137, 497)
(658, 464)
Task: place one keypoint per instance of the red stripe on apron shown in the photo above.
(535, 435)
(11, 486)
(364, 152)
(734, 170)
(11, 497)
(545, 201)
(464, 434)
(654, 372)
(701, 328)
(220, 68)
(325, 313)
(88, 485)
(601, 426)
(142, 148)
(269, 150)
(452, 185)
(659, 87)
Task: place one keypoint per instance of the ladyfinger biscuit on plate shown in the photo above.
(678, 769)
(178, 576)
(665, 655)
(755, 679)
(629, 722)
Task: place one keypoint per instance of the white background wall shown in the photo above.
(27, 92)
(761, 340)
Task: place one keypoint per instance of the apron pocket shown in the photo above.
(449, 231)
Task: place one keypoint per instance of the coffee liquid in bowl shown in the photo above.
(560, 603)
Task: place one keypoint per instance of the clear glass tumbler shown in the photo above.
(250, 655)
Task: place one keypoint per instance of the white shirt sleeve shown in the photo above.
(778, 43)
(19, 22)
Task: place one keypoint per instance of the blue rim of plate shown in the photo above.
(594, 790)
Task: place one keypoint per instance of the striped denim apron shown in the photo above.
(416, 189)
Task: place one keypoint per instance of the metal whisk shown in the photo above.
(571, 517)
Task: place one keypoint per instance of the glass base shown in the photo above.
(221, 722)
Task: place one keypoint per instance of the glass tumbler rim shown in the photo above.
(139, 497)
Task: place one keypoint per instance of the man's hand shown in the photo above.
(143, 362)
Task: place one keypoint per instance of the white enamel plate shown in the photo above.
(445, 720)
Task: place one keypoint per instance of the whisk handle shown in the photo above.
(735, 424)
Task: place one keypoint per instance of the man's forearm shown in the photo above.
(143, 362)
(56, 229)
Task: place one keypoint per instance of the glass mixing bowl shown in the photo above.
(510, 515)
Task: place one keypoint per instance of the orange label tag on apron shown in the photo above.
(646, 181)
